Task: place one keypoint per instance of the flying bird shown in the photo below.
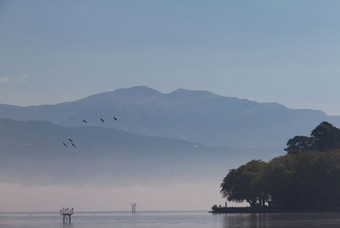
(73, 145)
(70, 140)
(84, 121)
(64, 144)
(115, 118)
(102, 120)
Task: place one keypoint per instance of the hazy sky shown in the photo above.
(173, 196)
(268, 51)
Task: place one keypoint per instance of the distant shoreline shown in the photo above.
(237, 210)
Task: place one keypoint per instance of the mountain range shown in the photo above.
(196, 116)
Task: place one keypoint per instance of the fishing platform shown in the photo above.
(66, 213)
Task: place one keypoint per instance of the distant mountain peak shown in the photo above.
(137, 90)
(192, 93)
(125, 93)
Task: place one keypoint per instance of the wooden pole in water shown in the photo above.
(133, 205)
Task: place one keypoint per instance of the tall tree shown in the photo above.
(247, 183)
(326, 136)
(299, 144)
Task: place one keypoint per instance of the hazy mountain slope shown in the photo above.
(197, 116)
(32, 152)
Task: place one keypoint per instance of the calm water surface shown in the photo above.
(166, 219)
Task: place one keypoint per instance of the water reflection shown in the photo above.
(291, 220)
(66, 225)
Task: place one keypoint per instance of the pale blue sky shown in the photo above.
(268, 51)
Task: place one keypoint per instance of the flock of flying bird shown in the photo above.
(71, 141)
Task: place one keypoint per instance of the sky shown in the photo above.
(267, 51)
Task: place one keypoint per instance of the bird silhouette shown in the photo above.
(70, 140)
(64, 144)
(73, 145)
(84, 121)
(102, 120)
(115, 118)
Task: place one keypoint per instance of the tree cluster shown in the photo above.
(324, 137)
(307, 177)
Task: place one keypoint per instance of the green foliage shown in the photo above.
(327, 137)
(305, 180)
(296, 181)
(300, 144)
(247, 183)
(323, 137)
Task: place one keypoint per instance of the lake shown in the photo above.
(168, 219)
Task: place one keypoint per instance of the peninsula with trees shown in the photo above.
(307, 178)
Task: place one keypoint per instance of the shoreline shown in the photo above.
(238, 210)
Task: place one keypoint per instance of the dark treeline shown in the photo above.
(308, 177)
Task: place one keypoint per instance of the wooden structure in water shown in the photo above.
(133, 205)
(66, 213)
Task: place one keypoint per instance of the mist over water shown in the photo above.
(172, 196)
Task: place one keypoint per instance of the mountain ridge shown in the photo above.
(197, 116)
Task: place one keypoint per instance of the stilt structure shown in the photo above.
(66, 213)
(133, 205)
